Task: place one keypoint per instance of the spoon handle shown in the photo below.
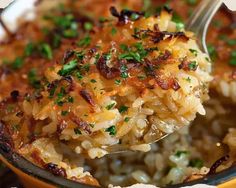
(201, 18)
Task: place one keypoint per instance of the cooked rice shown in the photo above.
(152, 112)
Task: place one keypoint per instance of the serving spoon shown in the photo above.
(197, 23)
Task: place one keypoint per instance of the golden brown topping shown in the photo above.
(105, 71)
(87, 97)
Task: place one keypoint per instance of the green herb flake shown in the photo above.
(29, 49)
(188, 80)
(192, 65)
(70, 99)
(110, 106)
(179, 153)
(88, 26)
(70, 33)
(230, 42)
(112, 130)
(64, 113)
(92, 125)
(117, 82)
(232, 60)
(79, 75)
(113, 31)
(17, 63)
(123, 109)
(134, 16)
(126, 119)
(86, 67)
(212, 51)
(124, 47)
(68, 68)
(84, 42)
(77, 131)
(102, 19)
(46, 51)
(80, 55)
(33, 79)
(178, 21)
(197, 163)
(217, 23)
(194, 52)
(191, 2)
(93, 81)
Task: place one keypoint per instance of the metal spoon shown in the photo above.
(201, 18)
(197, 23)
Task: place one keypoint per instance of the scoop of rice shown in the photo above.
(128, 83)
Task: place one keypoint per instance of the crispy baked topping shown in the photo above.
(105, 71)
(87, 97)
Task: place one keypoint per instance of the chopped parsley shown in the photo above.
(92, 125)
(70, 99)
(197, 163)
(29, 49)
(102, 19)
(123, 109)
(232, 60)
(77, 131)
(110, 106)
(112, 130)
(191, 2)
(124, 47)
(86, 67)
(93, 81)
(217, 23)
(45, 50)
(212, 51)
(84, 42)
(126, 119)
(117, 82)
(68, 68)
(70, 33)
(178, 21)
(66, 24)
(56, 40)
(64, 113)
(88, 26)
(130, 56)
(17, 63)
(179, 153)
(188, 79)
(113, 31)
(124, 73)
(192, 65)
(230, 42)
(136, 54)
(79, 75)
(33, 79)
(134, 16)
(80, 55)
(194, 52)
